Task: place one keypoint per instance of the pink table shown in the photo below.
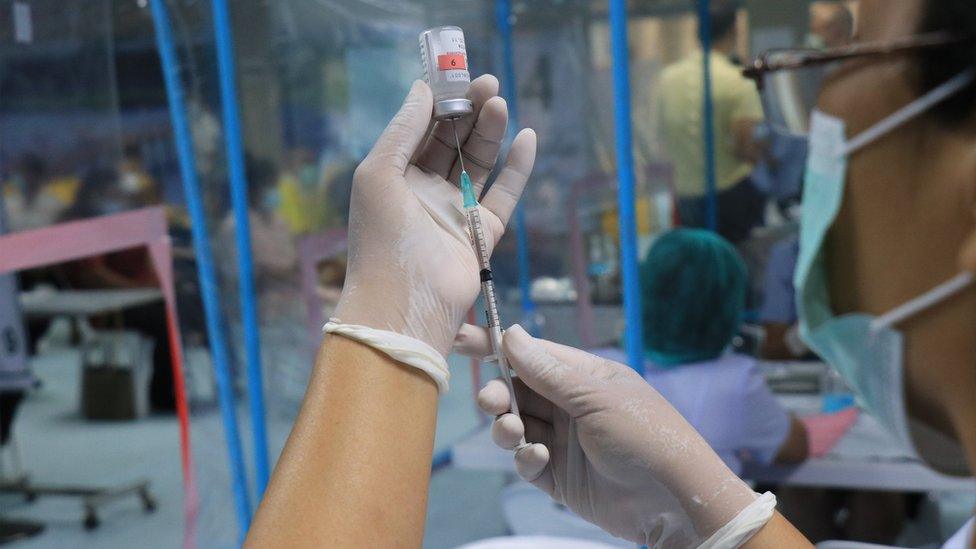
(101, 235)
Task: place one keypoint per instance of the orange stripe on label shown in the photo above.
(452, 62)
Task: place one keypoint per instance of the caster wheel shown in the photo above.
(91, 521)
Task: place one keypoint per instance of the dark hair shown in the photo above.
(843, 14)
(99, 183)
(935, 66)
(721, 15)
(33, 165)
(132, 151)
(260, 174)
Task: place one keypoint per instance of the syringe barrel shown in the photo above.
(445, 60)
(491, 301)
(484, 266)
(477, 237)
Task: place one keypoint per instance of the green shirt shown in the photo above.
(735, 98)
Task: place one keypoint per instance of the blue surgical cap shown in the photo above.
(694, 291)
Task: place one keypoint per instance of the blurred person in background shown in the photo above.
(694, 292)
(737, 111)
(777, 313)
(298, 195)
(33, 198)
(831, 25)
(272, 245)
(135, 179)
(274, 257)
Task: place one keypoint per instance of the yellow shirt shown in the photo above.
(300, 208)
(735, 98)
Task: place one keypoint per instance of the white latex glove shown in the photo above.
(412, 269)
(612, 449)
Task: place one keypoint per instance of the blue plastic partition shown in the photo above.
(708, 120)
(503, 17)
(224, 37)
(204, 257)
(625, 185)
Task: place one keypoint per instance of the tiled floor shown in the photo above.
(59, 447)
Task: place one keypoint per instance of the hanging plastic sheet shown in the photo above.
(87, 131)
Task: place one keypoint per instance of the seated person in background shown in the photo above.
(694, 288)
(272, 246)
(135, 179)
(33, 198)
(778, 311)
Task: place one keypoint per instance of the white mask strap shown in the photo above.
(909, 112)
(929, 299)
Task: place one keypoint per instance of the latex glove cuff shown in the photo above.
(403, 349)
(745, 525)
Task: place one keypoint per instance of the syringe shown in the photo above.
(470, 203)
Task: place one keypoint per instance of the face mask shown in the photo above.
(130, 183)
(866, 350)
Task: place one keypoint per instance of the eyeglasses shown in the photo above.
(789, 80)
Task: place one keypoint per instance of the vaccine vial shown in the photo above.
(445, 62)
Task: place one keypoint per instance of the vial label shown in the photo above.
(451, 56)
(451, 61)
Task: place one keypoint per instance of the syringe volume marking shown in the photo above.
(485, 275)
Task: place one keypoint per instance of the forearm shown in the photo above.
(796, 447)
(778, 532)
(746, 147)
(774, 345)
(355, 469)
(97, 275)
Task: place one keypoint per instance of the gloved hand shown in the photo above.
(608, 446)
(412, 269)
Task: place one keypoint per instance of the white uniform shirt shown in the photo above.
(962, 537)
(727, 401)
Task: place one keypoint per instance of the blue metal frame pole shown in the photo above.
(204, 256)
(625, 184)
(503, 17)
(224, 37)
(708, 119)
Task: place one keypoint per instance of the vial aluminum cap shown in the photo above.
(452, 108)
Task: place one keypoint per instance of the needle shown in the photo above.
(458, 142)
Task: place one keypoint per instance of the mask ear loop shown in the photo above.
(938, 94)
(929, 299)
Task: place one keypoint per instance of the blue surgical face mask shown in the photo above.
(868, 351)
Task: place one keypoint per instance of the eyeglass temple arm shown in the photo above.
(762, 64)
